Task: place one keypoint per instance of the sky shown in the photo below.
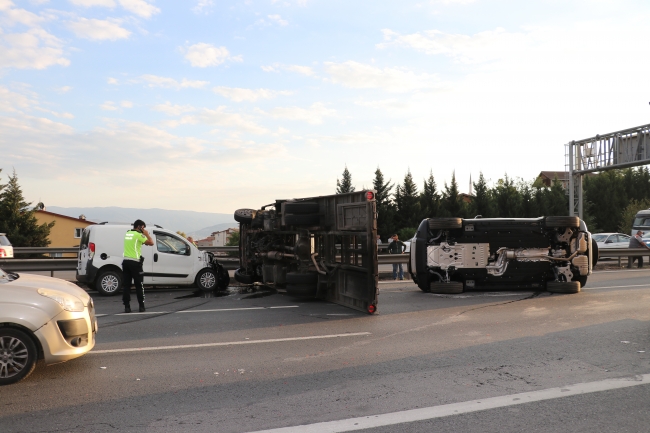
(215, 105)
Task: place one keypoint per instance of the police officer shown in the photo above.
(132, 264)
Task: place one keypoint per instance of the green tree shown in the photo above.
(408, 203)
(451, 204)
(482, 203)
(507, 198)
(429, 198)
(608, 197)
(385, 206)
(233, 239)
(344, 185)
(628, 214)
(17, 220)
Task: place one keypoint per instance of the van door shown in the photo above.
(173, 261)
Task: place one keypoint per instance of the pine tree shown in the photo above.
(345, 185)
(385, 205)
(451, 203)
(408, 203)
(507, 198)
(482, 203)
(17, 220)
(429, 199)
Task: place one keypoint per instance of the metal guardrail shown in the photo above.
(623, 252)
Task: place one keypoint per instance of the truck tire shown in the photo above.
(563, 286)
(243, 278)
(445, 223)
(301, 278)
(109, 282)
(244, 216)
(301, 220)
(300, 208)
(451, 288)
(562, 221)
(20, 352)
(301, 290)
(206, 280)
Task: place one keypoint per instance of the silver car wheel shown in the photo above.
(208, 280)
(13, 356)
(110, 283)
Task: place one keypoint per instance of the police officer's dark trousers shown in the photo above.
(132, 270)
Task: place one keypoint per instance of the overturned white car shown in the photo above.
(449, 255)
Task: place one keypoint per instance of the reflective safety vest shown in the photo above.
(133, 241)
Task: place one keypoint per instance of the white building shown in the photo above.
(217, 239)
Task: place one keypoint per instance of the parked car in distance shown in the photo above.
(6, 250)
(611, 240)
(171, 261)
(42, 318)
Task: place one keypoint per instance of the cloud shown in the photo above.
(34, 49)
(271, 20)
(157, 81)
(126, 104)
(64, 89)
(202, 55)
(278, 20)
(98, 29)
(112, 81)
(222, 118)
(140, 8)
(91, 3)
(313, 115)
(360, 76)
(108, 106)
(173, 110)
(238, 94)
(12, 102)
(203, 6)
(276, 67)
(14, 16)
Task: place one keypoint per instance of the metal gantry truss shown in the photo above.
(621, 149)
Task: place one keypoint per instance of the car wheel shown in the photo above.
(302, 278)
(450, 288)
(301, 290)
(244, 215)
(582, 280)
(563, 286)
(594, 253)
(206, 280)
(301, 220)
(17, 355)
(302, 208)
(445, 223)
(243, 278)
(108, 283)
(562, 221)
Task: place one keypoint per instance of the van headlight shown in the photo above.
(67, 301)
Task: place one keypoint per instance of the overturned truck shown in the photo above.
(317, 247)
(450, 255)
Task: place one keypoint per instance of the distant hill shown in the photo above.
(186, 221)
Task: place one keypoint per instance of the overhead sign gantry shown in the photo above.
(620, 149)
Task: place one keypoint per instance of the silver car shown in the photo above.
(611, 240)
(42, 318)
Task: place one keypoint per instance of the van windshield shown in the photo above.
(642, 221)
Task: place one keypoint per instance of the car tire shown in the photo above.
(301, 290)
(206, 280)
(244, 216)
(451, 288)
(21, 354)
(243, 278)
(223, 278)
(300, 208)
(562, 221)
(302, 220)
(582, 280)
(563, 286)
(445, 223)
(301, 278)
(594, 253)
(109, 282)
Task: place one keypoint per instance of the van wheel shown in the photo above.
(17, 355)
(206, 280)
(108, 283)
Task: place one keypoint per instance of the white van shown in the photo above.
(170, 261)
(6, 250)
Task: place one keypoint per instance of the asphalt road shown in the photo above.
(256, 360)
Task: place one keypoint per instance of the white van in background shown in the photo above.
(170, 261)
(6, 250)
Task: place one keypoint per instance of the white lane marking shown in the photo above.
(616, 287)
(198, 311)
(228, 343)
(442, 411)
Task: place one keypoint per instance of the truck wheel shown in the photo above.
(18, 355)
(206, 280)
(244, 215)
(563, 286)
(243, 278)
(451, 288)
(301, 220)
(301, 208)
(302, 278)
(109, 282)
(562, 221)
(301, 290)
(445, 223)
